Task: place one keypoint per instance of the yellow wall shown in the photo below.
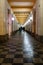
(39, 17)
(4, 6)
(2, 20)
(41, 9)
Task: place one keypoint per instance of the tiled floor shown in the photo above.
(21, 49)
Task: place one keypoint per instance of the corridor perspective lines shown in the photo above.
(21, 49)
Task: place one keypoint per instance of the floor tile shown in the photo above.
(18, 60)
(8, 60)
(21, 49)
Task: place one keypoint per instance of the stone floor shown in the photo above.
(21, 49)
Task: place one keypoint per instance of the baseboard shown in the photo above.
(33, 35)
(14, 32)
(3, 38)
(28, 31)
(39, 38)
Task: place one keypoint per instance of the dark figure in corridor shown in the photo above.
(21, 28)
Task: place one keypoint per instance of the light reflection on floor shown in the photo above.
(27, 45)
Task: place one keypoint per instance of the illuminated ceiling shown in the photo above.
(21, 9)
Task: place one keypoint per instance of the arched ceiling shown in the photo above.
(21, 9)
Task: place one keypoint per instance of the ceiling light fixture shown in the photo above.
(12, 18)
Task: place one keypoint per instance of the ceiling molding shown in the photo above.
(21, 16)
(21, 0)
(21, 7)
(21, 3)
(21, 10)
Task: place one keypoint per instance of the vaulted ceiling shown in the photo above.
(21, 9)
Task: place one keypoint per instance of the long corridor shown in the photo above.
(21, 49)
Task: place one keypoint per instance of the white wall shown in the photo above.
(15, 24)
(28, 27)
